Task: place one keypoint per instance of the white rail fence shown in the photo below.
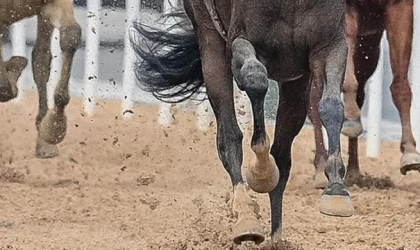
(92, 26)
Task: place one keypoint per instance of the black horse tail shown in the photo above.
(168, 60)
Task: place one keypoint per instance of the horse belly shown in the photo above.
(290, 64)
(12, 11)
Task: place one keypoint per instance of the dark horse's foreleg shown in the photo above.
(251, 76)
(291, 115)
(399, 25)
(218, 77)
(328, 67)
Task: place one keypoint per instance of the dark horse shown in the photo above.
(366, 21)
(251, 41)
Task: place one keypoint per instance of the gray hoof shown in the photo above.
(43, 150)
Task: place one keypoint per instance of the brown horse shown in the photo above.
(251, 41)
(366, 22)
(51, 124)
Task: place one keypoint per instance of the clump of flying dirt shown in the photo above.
(369, 182)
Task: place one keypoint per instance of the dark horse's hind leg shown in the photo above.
(251, 76)
(328, 67)
(291, 115)
(399, 25)
(219, 84)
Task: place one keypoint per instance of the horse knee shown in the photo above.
(254, 78)
(70, 37)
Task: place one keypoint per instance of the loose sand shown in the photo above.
(133, 184)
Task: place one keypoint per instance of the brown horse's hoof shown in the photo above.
(352, 128)
(44, 150)
(7, 92)
(410, 162)
(248, 229)
(53, 127)
(335, 201)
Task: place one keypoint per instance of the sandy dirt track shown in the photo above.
(134, 184)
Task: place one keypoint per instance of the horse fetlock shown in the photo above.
(61, 98)
(70, 37)
(320, 179)
(352, 128)
(247, 226)
(334, 168)
(53, 127)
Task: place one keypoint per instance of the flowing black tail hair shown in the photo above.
(168, 60)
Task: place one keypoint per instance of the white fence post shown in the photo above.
(373, 140)
(415, 75)
(56, 66)
(129, 79)
(165, 113)
(91, 54)
(18, 40)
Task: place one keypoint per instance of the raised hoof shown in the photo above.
(335, 201)
(44, 150)
(7, 92)
(410, 162)
(352, 128)
(320, 180)
(263, 175)
(248, 230)
(262, 185)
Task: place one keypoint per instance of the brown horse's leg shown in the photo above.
(320, 181)
(291, 116)
(328, 67)
(41, 64)
(218, 78)
(251, 76)
(54, 125)
(399, 25)
(352, 126)
(365, 60)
